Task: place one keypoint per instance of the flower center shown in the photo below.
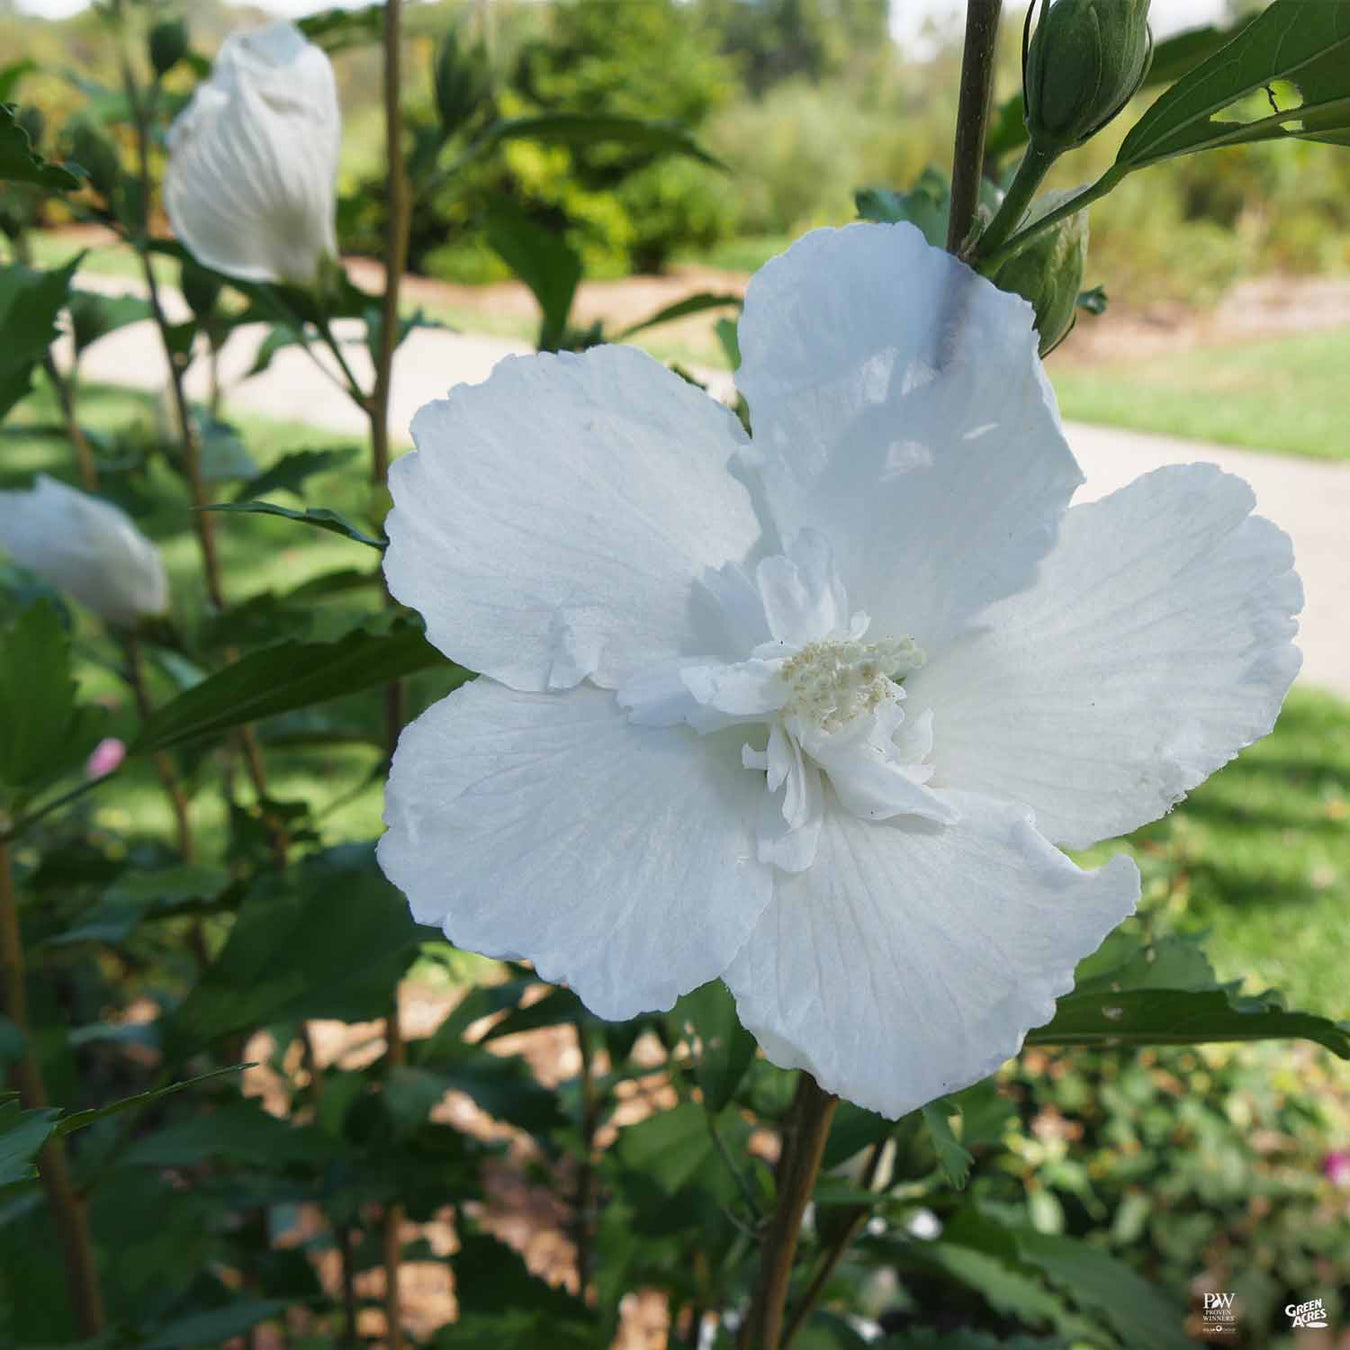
(831, 682)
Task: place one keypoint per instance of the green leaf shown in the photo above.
(543, 260)
(670, 1147)
(1166, 994)
(482, 1001)
(291, 471)
(30, 303)
(337, 29)
(853, 1130)
(504, 1307)
(723, 1048)
(214, 1327)
(279, 337)
(80, 1120)
(93, 316)
(729, 340)
(327, 939)
(1185, 1017)
(501, 1085)
(318, 516)
(1292, 62)
(682, 309)
(926, 206)
(285, 677)
(558, 1007)
(11, 74)
(655, 136)
(43, 732)
(20, 163)
(23, 1134)
(1004, 1287)
(965, 1338)
(953, 1158)
(1098, 1283)
(239, 1132)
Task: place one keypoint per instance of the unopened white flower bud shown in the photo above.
(251, 183)
(86, 547)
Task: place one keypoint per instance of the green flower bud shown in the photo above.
(1086, 61)
(168, 45)
(200, 288)
(463, 82)
(94, 153)
(1049, 271)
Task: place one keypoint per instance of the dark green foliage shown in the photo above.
(30, 302)
(20, 163)
(45, 730)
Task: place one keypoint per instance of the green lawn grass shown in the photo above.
(1259, 858)
(1285, 394)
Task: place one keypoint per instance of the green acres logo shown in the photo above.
(1310, 1314)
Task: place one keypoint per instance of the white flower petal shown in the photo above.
(911, 959)
(1154, 646)
(898, 406)
(557, 521)
(619, 859)
(804, 600)
(251, 181)
(86, 546)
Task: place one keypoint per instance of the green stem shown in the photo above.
(993, 261)
(972, 118)
(1013, 210)
(808, 1129)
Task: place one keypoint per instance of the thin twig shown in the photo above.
(396, 1055)
(65, 397)
(395, 241)
(813, 1111)
(847, 1235)
(396, 247)
(68, 1213)
(584, 1208)
(168, 777)
(972, 118)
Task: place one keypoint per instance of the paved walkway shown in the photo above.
(1307, 498)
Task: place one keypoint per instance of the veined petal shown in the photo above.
(619, 859)
(899, 407)
(911, 959)
(556, 521)
(1155, 645)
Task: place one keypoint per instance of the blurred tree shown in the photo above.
(774, 40)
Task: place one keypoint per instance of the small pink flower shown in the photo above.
(106, 756)
(1336, 1167)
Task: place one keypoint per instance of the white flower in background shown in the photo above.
(87, 547)
(250, 187)
(813, 712)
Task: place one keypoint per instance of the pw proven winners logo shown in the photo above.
(1310, 1314)
(1218, 1316)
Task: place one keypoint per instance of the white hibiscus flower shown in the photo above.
(813, 711)
(87, 547)
(252, 178)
